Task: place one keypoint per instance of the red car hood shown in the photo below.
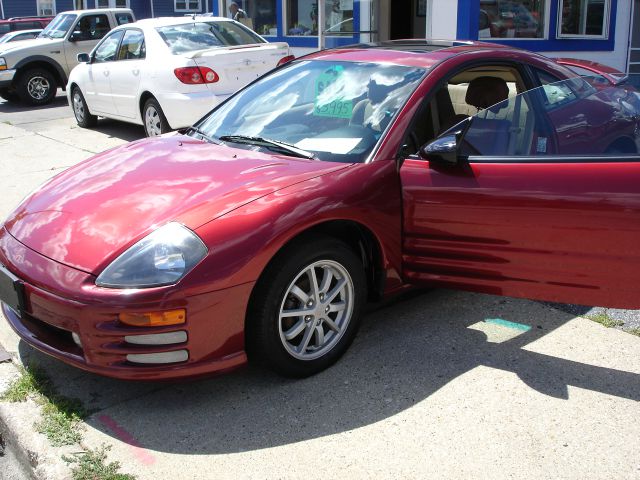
(92, 212)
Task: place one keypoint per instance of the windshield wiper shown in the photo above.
(276, 145)
(203, 135)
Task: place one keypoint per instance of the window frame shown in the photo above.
(53, 7)
(187, 9)
(605, 29)
(112, 4)
(120, 45)
(548, 18)
(103, 41)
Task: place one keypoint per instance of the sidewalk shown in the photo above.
(443, 385)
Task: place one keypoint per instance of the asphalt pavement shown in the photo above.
(441, 384)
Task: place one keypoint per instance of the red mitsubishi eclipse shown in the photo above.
(340, 178)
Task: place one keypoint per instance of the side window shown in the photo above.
(132, 46)
(122, 18)
(91, 27)
(462, 96)
(106, 52)
(555, 92)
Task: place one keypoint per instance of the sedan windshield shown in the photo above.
(190, 37)
(59, 26)
(336, 111)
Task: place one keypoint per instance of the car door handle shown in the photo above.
(135, 71)
(105, 73)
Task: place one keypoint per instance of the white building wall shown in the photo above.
(443, 16)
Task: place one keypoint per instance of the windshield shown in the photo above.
(189, 37)
(59, 26)
(335, 110)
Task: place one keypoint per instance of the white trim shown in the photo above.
(605, 27)
(111, 4)
(187, 2)
(53, 7)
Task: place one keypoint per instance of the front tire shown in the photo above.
(37, 87)
(9, 95)
(306, 307)
(155, 123)
(84, 118)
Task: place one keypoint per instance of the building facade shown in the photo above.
(607, 31)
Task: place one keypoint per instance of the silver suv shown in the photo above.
(33, 70)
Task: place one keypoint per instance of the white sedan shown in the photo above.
(166, 73)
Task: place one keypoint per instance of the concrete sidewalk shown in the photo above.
(441, 385)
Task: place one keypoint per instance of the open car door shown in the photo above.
(536, 197)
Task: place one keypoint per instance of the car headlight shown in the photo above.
(161, 258)
(3, 64)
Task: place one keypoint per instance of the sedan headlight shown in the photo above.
(3, 64)
(161, 258)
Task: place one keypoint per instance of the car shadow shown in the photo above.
(122, 130)
(403, 354)
(19, 107)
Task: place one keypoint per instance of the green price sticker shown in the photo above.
(331, 107)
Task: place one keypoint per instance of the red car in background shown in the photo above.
(339, 178)
(23, 23)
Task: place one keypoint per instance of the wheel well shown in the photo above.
(623, 145)
(46, 66)
(143, 99)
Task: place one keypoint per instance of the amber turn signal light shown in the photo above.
(154, 319)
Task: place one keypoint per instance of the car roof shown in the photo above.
(411, 52)
(165, 21)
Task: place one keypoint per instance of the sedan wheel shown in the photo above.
(83, 117)
(305, 310)
(155, 123)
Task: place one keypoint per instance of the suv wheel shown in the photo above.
(37, 86)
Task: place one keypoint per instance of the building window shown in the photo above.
(46, 7)
(513, 18)
(187, 5)
(583, 18)
(259, 15)
(112, 3)
(302, 17)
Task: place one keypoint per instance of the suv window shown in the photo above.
(106, 52)
(27, 25)
(132, 46)
(91, 27)
(122, 18)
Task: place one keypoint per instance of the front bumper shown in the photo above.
(6, 78)
(214, 327)
(184, 109)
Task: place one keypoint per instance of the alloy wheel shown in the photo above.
(152, 121)
(78, 106)
(38, 87)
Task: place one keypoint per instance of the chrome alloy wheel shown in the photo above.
(152, 121)
(38, 87)
(78, 107)
(316, 310)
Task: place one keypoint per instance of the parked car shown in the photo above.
(166, 73)
(15, 24)
(33, 70)
(342, 177)
(20, 35)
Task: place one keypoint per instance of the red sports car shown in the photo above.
(342, 177)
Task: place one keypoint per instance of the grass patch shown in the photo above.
(61, 416)
(605, 320)
(634, 331)
(93, 465)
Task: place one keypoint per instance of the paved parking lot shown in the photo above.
(441, 384)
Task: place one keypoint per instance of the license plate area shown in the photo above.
(11, 290)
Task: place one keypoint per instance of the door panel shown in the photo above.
(126, 73)
(525, 215)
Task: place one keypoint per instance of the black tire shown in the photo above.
(37, 86)
(265, 343)
(154, 123)
(9, 95)
(84, 118)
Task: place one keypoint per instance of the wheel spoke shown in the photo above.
(314, 283)
(326, 280)
(294, 331)
(319, 336)
(337, 307)
(308, 333)
(336, 290)
(331, 324)
(295, 313)
(297, 292)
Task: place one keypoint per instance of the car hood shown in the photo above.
(16, 47)
(92, 212)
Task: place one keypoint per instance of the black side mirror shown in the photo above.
(444, 149)
(84, 58)
(75, 36)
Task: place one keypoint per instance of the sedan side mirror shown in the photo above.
(84, 58)
(443, 150)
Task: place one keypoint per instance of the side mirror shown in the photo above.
(84, 58)
(443, 150)
(74, 37)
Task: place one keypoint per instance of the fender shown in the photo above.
(42, 58)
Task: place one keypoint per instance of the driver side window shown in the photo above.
(106, 52)
(91, 27)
